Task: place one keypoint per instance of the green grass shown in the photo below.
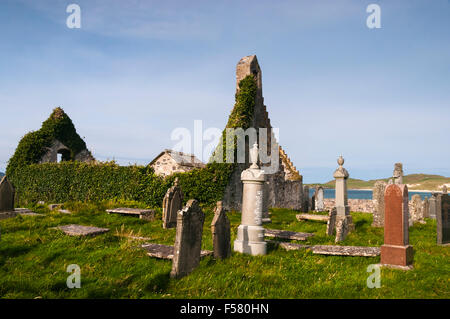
(34, 258)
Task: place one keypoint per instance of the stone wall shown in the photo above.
(356, 205)
(284, 188)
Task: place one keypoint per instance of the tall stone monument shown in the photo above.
(172, 203)
(378, 203)
(398, 173)
(319, 205)
(443, 221)
(396, 251)
(220, 229)
(188, 240)
(250, 236)
(7, 193)
(344, 222)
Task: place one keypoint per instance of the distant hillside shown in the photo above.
(414, 181)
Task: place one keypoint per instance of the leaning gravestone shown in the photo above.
(396, 251)
(378, 204)
(188, 241)
(443, 221)
(6, 195)
(172, 203)
(220, 229)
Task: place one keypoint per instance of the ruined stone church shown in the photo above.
(284, 187)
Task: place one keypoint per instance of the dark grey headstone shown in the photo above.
(443, 221)
(6, 195)
(172, 203)
(220, 228)
(188, 241)
(305, 206)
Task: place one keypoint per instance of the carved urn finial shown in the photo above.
(340, 160)
(254, 156)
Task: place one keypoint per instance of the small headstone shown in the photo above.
(378, 204)
(444, 189)
(188, 241)
(319, 203)
(79, 230)
(6, 195)
(331, 223)
(432, 206)
(172, 203)
(305, 206)
(443, 221)
(220, 229)
(426, 208)
(416, 213)
(396, 251)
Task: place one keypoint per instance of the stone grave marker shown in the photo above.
(432, 206)
(378, 204)
(416, 213)
(6, 195)
(188, 241)
(145, 214)
(396, 251)
(80, 230)
(443, 221)
(220, 229)
(166, 251)
(319, 203)
(426, 208)
(172, 203)
(305, 206)
(286, 234)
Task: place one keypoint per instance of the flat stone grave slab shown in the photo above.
(322, 218)
(64, 211)
(54, 206)
(18, 211)
(166, 251)
(356, 251)
(6, 215)
(79, 230)
(145, 214)
(285, 234)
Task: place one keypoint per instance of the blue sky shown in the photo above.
(136, 70)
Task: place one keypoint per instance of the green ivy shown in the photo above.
(32, 146)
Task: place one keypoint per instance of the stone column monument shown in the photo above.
(396, 251)
(250, 236)
(398, 173)
(344, 222)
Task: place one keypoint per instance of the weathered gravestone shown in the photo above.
(398, 173)
(378, 204)
(443, 221)
(220, 229)
(305, 206)
(444, 189)
(188, 240)
(319, 204)
(172, 203)
(416, 213)
(396, 251)
(6, 195)
(426, 208)
(432, 206)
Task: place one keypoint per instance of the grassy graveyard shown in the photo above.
(34, 258)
